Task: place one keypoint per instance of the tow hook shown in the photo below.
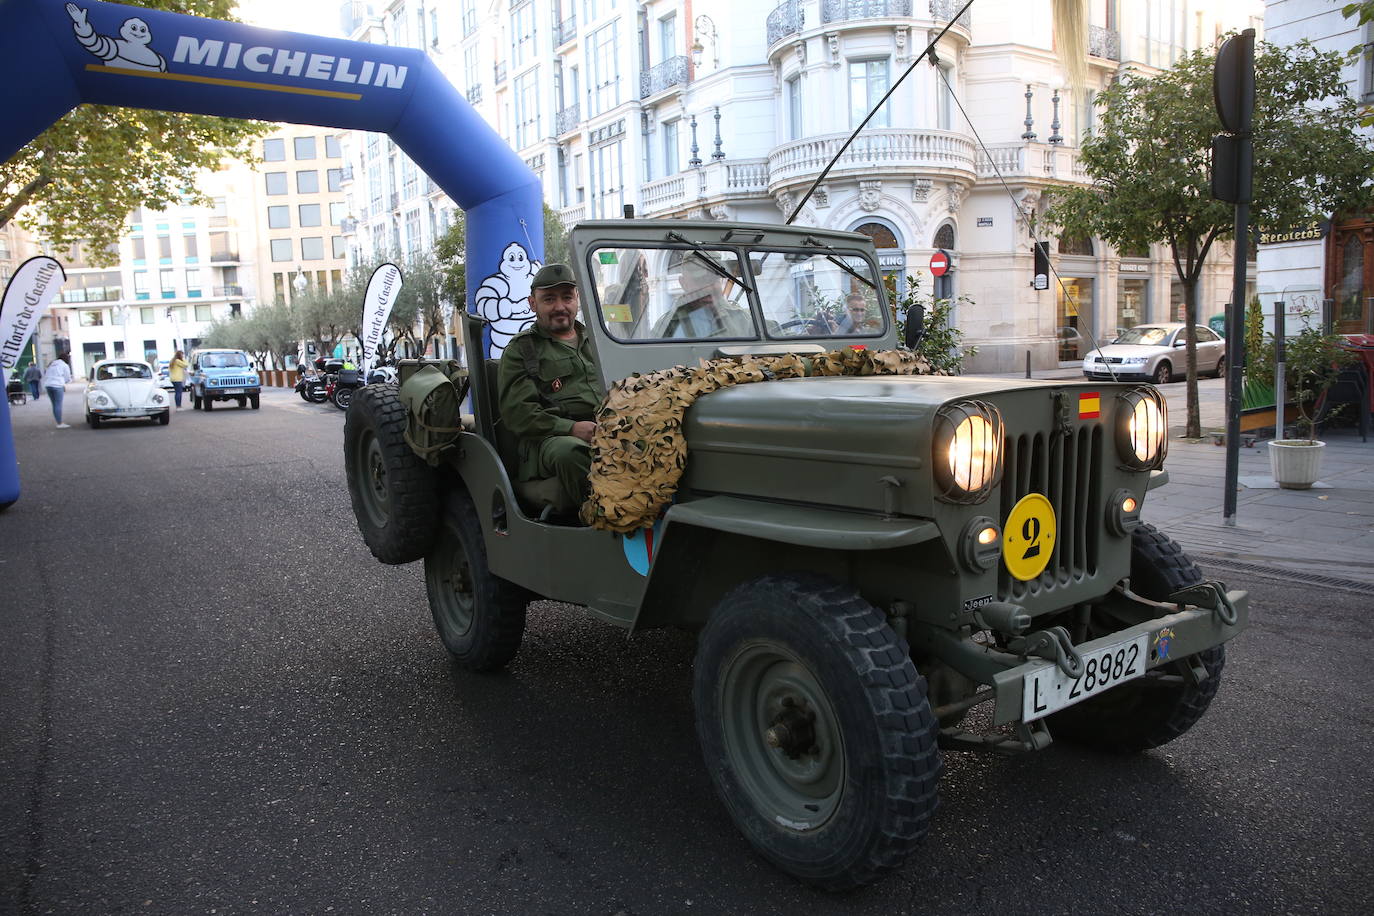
(1211, 595)
(1052, 643)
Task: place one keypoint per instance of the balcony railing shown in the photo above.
(346, 173)
(886, 150)
(567, 119)
(711, 183)
(842, 10)
(220, 256)
(348, 226)
(1104, 43)
(672, 72)
(786, 19)
(565, 31)
(1031, 160)
(395, 200)
(499, 72)
(474, 94)
(944, 10)
(573, 214)
(232, 289)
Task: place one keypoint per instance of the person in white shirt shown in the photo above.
(55, 380)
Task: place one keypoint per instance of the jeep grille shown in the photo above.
(1067, 470)
(236, 381)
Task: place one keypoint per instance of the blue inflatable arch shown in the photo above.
(56, 55)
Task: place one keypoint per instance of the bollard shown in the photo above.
(1028, 361)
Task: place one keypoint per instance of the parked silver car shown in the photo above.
(1156, 352)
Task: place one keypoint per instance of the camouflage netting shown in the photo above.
(639, 451)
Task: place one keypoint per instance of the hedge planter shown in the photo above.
(1296, 463)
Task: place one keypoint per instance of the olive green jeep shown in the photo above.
(880, 566)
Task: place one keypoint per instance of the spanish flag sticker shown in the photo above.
(1089, 405)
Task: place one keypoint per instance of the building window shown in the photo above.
(91, 318)
(141, 284)
(469, 17)
(335, 179)
(305, 147)
(794, 108)
(331, 147)
(338, 246)
(203, 313)
(604, 72)
(147, 316)
(522, 34)
(164, 249)
(276, 183)
(944, 112)
(337, 212)
(410, 179)
(1132, 298)
(274, 150)
(667, 37)
(191, 247)
(944, 237)
(868, 82)
(312, 248)
(470, 68)
(1080, 245)
(279, 217)
(193, 283)
(670, 148)
(167, 281)
(309, 214)
(1087, 113)
(281, 249)
(527, 108)
(608, 183)
(412, 237)
(140, 251)
(308, 182)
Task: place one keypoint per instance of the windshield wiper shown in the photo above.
(702, 255)
(838, 263)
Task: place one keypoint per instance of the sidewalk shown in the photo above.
(1324, 535)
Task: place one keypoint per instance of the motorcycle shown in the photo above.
(343, 385)
(313, 388)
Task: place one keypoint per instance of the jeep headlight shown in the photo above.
(967, 451)
(1142, 423)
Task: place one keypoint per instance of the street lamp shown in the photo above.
(704, 25)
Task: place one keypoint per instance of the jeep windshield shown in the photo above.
(698, 292)
(223, 361)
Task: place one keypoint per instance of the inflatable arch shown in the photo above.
(57, 55)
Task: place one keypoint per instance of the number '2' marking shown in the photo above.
(1030, 532)
(1111, 667)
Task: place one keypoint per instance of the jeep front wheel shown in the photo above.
(1157, 708)
(480, 616)
(816, 730)
(395, 495)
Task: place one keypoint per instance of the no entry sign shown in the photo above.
(939, 263)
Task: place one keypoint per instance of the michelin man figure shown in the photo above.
(130, 50)
(503, 298)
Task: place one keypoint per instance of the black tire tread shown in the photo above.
(1159, 567)
(897, 697)
(499, 606)
(412, 484)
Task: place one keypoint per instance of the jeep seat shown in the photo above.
(534, 495)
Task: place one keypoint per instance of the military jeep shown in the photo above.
(879, 567)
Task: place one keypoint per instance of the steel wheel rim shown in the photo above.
(455, 602)
(376, 497)
(763, 685)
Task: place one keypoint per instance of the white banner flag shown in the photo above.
(382, 291)
(26, 299)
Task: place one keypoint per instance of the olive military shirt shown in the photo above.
(567, 389)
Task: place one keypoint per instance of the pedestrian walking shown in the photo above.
(32, 376)
(176, 374)
(55, 380)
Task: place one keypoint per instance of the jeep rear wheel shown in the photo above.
(480, 617)
(1148, 711)
(395, 495)
(816, 730)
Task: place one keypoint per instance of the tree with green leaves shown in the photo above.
(1149, 162)
(83, 176)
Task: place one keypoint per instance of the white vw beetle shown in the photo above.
(125, 388)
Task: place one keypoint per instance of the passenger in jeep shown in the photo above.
(549, 387)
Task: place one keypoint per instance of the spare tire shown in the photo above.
(395, 494)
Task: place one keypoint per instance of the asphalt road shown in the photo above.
(212, 700)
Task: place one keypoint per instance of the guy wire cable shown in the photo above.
(1030, 221)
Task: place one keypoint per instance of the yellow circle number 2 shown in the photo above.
(1029, 540)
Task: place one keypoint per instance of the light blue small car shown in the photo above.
(223, 375)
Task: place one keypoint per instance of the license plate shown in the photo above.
(232, 391)
(1047, 689)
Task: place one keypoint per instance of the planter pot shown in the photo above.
(1296, 463)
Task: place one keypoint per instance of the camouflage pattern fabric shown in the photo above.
(639, 451)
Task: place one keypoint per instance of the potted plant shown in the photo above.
(1313, 363)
